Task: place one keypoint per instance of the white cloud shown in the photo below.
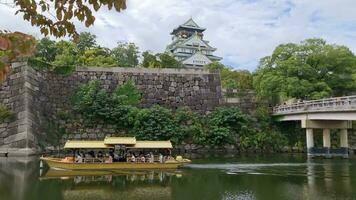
(243, 31)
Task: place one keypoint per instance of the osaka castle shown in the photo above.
(189, 47)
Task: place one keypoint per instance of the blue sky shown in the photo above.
(243, 31)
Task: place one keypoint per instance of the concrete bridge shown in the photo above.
(326, 114)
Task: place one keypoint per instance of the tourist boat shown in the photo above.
(112, 143)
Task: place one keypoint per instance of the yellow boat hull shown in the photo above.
(58, 164)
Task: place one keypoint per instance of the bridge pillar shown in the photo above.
(310, 141)
(326, 141)
(344, 143)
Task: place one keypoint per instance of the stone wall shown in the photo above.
(17, 133)
(172, 88)
(36, 97)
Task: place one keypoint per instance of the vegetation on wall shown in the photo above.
(183, 126)
(5, 113)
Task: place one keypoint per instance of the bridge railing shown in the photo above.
(330, 104)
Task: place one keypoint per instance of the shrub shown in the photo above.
(156, 123)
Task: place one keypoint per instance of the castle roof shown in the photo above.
(189, 24)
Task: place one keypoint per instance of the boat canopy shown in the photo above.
(152, 145)
(86, 144)
(120, 140)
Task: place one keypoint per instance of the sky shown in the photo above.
(243, 31)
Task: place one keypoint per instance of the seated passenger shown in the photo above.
(160, 158)
(78, 159)
(143, 159)
(109, 160)
(133, 158)
(152, 159)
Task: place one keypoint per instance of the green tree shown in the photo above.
(312, 69)
(150, 60)
(126, 54)
(86, 41)
(232, 79)
(68, 53)
(168, 61)
(46, 50)
(97, 57)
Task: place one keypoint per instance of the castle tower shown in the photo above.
(189, 47)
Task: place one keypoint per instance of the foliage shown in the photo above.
(312, 69)
(220, 127)
(191, 126)
(127, 94)
(64, 56)
(60, 23)
(265, 141)
(163, 60)
(14, 45)
(96, 104)
(168, 61)
(53, 135)
(226, 124)
(232, 79)
(150, 60)
(98, 57)
(46, 50)
(156, 123)
(126, 55)
(5, 113)
(86, 41)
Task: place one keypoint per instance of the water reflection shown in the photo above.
(15, 173)
(21, 178)
(114, 184)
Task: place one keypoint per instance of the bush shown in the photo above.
(96, 104)
(156, 123)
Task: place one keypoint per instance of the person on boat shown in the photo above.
(143, 159)
(160, 158)
(111, 153)
(133, 158)
(91, 153)
(78, 158)
(109, 160)
(152, 158)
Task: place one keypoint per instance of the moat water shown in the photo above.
(231, 177)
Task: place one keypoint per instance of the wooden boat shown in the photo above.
(69, 163)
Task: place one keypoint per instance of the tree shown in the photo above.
(68, 54)
(168, 61)
(98, 57)
(126, 54)
(46, 50)
(150, 60)
(39, 13)
(86, 41)
(232, 79)
(312, 69)
(12, 46)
